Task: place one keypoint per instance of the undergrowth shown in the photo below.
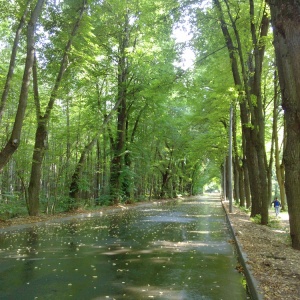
(273, 221)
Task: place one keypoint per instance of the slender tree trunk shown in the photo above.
(164, 184)
(36, 169)
(74, 186)
(279, 166)
(117, 163)
(98, 173)
(128, 180)
(236, 168)
(254, 136)
(14, 140)
(241, 82)
(258, 118)
(254, 180)
(242, 186)
(13, 59)
(247, 184)
(43, 121)
(286, 30)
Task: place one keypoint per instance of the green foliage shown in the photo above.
(244, 209)
(103, 200)
(256, 219)
(12, 209)
(176, 120)
(274, 222)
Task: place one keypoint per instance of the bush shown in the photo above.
(12, 209)
(103, 200)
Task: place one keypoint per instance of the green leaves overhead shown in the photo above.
(175, 120)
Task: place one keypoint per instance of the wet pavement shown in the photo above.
(177, 250)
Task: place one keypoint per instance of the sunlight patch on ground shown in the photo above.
(152, 292)
(200, 216)
(188, 244)
(279, 231)
(117, 251)
(245, 221)
(169, 219)
(152, 209)
(204, 231)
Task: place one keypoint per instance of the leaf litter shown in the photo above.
(274, 263)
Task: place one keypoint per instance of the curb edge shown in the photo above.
(252, 283)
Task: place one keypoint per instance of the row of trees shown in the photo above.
(262, 132)
(93, 107)
(96, 109)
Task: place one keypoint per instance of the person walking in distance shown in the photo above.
(277, 206)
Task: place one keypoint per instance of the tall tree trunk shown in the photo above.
(117, 163)
(100, 163)
(257, 116)
(254, 135)
(279, 166)
(247, 184)
(286, 30)
(43, 121)
(36, 169)
(14, 140)
(128, 180)
(237, 167)
(13, 59)
(239, 178)
(74, 186)
(98, 173)
(281, 174)
(242, 186)
(241, 82)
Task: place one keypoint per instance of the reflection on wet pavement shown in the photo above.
(177, 251)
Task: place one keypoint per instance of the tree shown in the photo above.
(14, 141)
(43, 121)
(279, 165)
(248, 83)
(286, 30)
(13, 58)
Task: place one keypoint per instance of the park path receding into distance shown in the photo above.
(176, 250)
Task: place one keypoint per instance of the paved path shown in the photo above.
(284, 216)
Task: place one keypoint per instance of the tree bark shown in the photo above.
(258, 118)
(14, 140)
(43, 121)
(13, 59)
(250, 114)
(286, 30)
(74, 186)
(238, 188)
(241, 83)
(117, 163)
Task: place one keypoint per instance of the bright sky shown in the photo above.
(182, 35)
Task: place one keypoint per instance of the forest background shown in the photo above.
(98, 107)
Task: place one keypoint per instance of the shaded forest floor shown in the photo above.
(274, 264)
